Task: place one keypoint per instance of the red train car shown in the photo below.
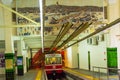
(53, 65)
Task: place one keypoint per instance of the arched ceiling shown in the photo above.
(62, 22)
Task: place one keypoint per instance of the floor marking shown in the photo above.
(80, 74)
(38, 77)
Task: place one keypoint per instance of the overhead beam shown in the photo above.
(97, 31)
(15, 26)
(9, 9)
(73, 35)
(56, 39)
(62, 34)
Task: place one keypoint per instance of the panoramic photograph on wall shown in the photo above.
(59, 12)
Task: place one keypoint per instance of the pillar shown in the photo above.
(114, 13)
(9, 48)
(72, 57)
(20, 68)
(30, 61)
(24, 54)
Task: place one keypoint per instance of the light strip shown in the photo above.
(41, 3)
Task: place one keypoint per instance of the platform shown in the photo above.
(34, 74)
(74, 73)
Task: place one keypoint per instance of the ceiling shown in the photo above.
(62, 24)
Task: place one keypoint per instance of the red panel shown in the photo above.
(48, 67)
(59, 66)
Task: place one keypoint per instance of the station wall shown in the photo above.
(97, 54)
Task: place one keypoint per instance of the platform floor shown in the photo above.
(35, 74)
(30, 75)
(89, 75)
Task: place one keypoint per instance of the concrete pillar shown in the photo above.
(114, 13)
(19, 48)
(113, 10)
(9, 48)
(75, 56)
(22, 53)
(72, 57)
(20, 68)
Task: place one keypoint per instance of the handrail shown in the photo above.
(118, 71)
(105, 68)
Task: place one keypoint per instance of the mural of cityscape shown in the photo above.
(59, 12)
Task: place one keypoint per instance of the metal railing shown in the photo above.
(102, 73)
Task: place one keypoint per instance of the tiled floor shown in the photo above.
(30, 75)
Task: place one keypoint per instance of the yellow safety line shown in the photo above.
(80, 74)
(38, 77)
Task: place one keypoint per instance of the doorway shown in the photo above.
(112, 59)
(89, 64)
(78, 60)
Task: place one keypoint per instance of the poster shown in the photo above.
(9, 63)
(19, 61)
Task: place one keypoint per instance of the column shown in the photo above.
(114, 13)
(9, 48)
(75, 56)
(31, 54)
(72, 57)
(20, 68)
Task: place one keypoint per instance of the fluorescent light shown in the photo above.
(42, 22)
(111, 1)
(7, 2)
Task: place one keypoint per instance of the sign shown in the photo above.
(19, 61)
(53, 55)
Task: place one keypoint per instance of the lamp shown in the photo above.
(112, 1)
(6, 2)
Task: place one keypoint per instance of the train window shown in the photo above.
(53, 60)
(47, 61)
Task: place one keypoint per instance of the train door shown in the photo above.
(89, 64)
(112, 59)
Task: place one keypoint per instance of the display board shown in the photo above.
(20, 68)
(19, 61)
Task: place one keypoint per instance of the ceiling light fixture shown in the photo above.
(112, 1)
(7, 2)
